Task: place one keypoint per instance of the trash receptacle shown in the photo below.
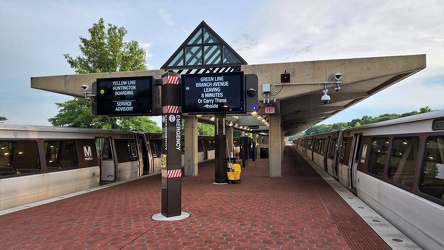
(264, 153)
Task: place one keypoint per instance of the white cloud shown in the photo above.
(316, 30)
(34, 39)
(144, 45)
(166, 17)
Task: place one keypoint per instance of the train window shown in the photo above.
(211, 145)
(126, 155)
(331, 148)
(342, 153)
(432, 171)
(201, 145)
(309, 144)
(403, 157)
(132, 148)
(378, 156)
(60, 154)
(438, 124)
(103, 146)
(322, 146)
(154, 149)
(319, 146)
(19, 157)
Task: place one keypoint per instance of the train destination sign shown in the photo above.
(213, 93)
(125, 96)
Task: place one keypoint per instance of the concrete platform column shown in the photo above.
(191, 157)
(229, 131)
(275, 146)
(255, 145)
(282, 143)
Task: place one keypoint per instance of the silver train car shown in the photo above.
(396, 167)
(39, 162)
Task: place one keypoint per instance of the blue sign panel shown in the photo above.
(213, 93)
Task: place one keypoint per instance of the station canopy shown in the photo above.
(297, 103)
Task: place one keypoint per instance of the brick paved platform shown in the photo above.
(298, 211)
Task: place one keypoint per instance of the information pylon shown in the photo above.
(221, 150)
(171, 145)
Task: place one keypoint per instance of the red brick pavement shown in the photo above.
(297, 211)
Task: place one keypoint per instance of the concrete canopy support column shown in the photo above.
(229, 131)
(255, 144)
(275, 146)
(282, 143)
(191, 158)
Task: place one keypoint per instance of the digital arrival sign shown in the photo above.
(213, 93)
(125, 96)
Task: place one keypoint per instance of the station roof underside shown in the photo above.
(299, 102)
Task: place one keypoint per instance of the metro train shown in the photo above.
(39, 162)
(395, 166)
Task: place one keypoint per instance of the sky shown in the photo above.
(34, 36)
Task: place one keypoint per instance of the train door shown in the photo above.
(106, 159)
(204, 149)
(355, 160)
(326, 152)
(336, 150)
(144, 150)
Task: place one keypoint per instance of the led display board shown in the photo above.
(213, 93)
(125, 96)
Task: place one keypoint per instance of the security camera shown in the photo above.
(338, 76)
(85, 87)
(325, 98)
(337, 88)
(251, 92)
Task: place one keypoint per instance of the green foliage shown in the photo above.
(2, 119)
(105, 51)
(77, 113)
(205, 129)
(237, 133)
(319, 129)
(325, 128)
(138, 123)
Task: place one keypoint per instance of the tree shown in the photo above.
(425, 109)
(205, 129)
(105, 51)
(2, 119)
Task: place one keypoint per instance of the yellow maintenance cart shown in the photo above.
(234, 173)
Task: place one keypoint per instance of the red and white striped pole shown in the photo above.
(171, 145)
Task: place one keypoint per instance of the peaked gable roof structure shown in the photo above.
(204, 51)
